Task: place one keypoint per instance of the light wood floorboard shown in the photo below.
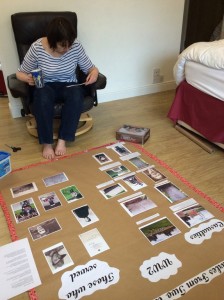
(204, 170)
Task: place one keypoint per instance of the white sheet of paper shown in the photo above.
(93, 242)
(18, 272)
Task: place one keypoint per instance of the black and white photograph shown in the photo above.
(102, 158)
(134, 182)
(49, 201)
(154, 174)
(84, 215)
(193, 215)
(55, 179)
(57, 257)
(112, 191)
(24, 189)
(138, 204)
(43, 229)
(138, 162)
(171, 191)
(120, 149)
(24, 210)
(159, 230)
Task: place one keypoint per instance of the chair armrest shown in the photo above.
(17, 87)
(101, 82)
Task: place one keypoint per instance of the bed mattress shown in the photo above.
(206, 79)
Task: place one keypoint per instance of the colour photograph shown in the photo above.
(71, 193)
(49, 201)
(171, 191)
(193, 215)
(24, 210)
(137, 205)
(112, 191)
(117, 171)
(159, 230)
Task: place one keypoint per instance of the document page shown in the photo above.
(18, 272)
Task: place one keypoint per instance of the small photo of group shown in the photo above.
(57, 258)
(71, 193)
(84, 215)
(24, 210)
(49, 200)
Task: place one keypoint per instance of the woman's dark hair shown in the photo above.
(60, 30)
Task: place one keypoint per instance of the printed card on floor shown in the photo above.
(43, 229)
(120, 149)
(154, 174)
(193, 215)
(138, 162)
(117, 171)
(137, 205)
(134, 182)
(159, 231)
(85, 215)
(24, 210)
(93, 242)
(55, 179)
(71, 193)
(171, 191)
(57, 258)
(23, 189)
(49, 201)
(102, 158)
(112, 190)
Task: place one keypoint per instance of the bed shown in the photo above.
(198, 105)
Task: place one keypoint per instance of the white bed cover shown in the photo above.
(210, 54)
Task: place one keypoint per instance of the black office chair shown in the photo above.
(27, 28)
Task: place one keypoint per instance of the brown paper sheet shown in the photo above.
(129, 248)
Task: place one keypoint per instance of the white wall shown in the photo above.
(126, 39)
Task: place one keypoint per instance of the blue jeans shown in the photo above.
(44, 100)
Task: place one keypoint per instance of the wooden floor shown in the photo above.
(204, 170)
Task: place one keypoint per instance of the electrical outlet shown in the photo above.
(156, 72)
(157, 78)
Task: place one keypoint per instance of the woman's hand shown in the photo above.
(92, 76)
(28, 78)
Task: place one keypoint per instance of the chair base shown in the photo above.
(85, 124)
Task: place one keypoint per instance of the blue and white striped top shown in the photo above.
(61, 69)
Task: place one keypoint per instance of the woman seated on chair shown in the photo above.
(57, 55)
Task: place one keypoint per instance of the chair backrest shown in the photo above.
(29, 26)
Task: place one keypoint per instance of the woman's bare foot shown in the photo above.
(60, 148)
(48, 151)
